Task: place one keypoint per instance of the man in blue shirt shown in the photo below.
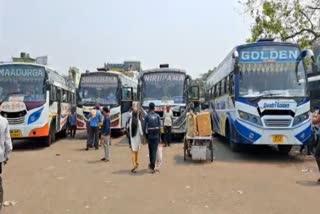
(73, 122)
(106, 133)
(95, 118)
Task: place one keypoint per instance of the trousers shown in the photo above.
(94, 136)
(106, 146)
(153, 147)
(317, 155)
(167, 131)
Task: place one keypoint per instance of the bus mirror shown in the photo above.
(194, 93)
(127, 93)
(235, 56)
(64, 98)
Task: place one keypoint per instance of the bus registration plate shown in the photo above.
(277, 139)
(15, 133)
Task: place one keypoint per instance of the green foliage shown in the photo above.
(288, 20)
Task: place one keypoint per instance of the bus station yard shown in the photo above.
(64, 178)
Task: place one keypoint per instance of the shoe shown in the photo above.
(134, 170)
(87, 149)
(153, 171)
(318, 181)
(97, 148)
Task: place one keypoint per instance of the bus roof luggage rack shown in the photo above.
(266, 40)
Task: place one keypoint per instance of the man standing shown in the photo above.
(315, 122)
(95, 118)
(5, 149)
(168, 119)
(152, 131)
(105, 134)
(73, 122)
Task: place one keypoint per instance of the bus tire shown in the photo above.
(235, 147)
(52, 136)
(284, 149)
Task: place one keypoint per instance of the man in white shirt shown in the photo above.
(167, 123)
(5, 149)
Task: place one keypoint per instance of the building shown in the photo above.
(125, 66)
(74, 74)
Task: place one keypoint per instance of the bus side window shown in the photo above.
(231, 84)
(215, 91)
(53, 93)
(226, 85)
(219, 89)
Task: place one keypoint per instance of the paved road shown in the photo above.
(65, 178)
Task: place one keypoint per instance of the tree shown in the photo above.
(288, 20)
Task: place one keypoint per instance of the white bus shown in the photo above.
(106, 88)
(258, 95)
(166, 86)
(36, 100)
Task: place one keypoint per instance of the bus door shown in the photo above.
(194, 97)
(126, 103)
(58, 118)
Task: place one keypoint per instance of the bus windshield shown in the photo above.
(270, 71)
(25, 80)
(163, 88)
(99, 89)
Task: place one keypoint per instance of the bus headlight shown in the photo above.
(300, 118)
(250, 117)
(34, 116)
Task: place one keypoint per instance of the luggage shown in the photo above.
(204, 124)
(191, 125)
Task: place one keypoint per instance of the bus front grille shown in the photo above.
(15, 121)
(277, 122)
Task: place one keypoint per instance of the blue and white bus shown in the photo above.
(258, 95)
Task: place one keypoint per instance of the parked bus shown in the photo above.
(36, 100)
(166, 86)
(314, 78)
(258, 95)
(106, 88)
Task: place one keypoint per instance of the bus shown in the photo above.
(36, 101)
(258, 95)
(314, 79)
(166, 86)
(108, 89)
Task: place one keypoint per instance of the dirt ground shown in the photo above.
(65, 178)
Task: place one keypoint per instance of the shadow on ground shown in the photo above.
(309, 183)
(248, 153)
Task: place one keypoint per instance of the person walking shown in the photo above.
(5, 149)
(128, 127)
(73, 122)
(106, 134)
(152, 131)
(95, 118)
(168, 120)
(316, 122)
(135, 135)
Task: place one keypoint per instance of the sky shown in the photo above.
(189, 34)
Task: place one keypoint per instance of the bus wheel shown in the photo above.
(235, 147)
(52, 136)
(284, 149)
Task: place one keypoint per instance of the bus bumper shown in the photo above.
(250, 134)
(30, 131)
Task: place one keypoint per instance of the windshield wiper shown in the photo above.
(267, 94)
